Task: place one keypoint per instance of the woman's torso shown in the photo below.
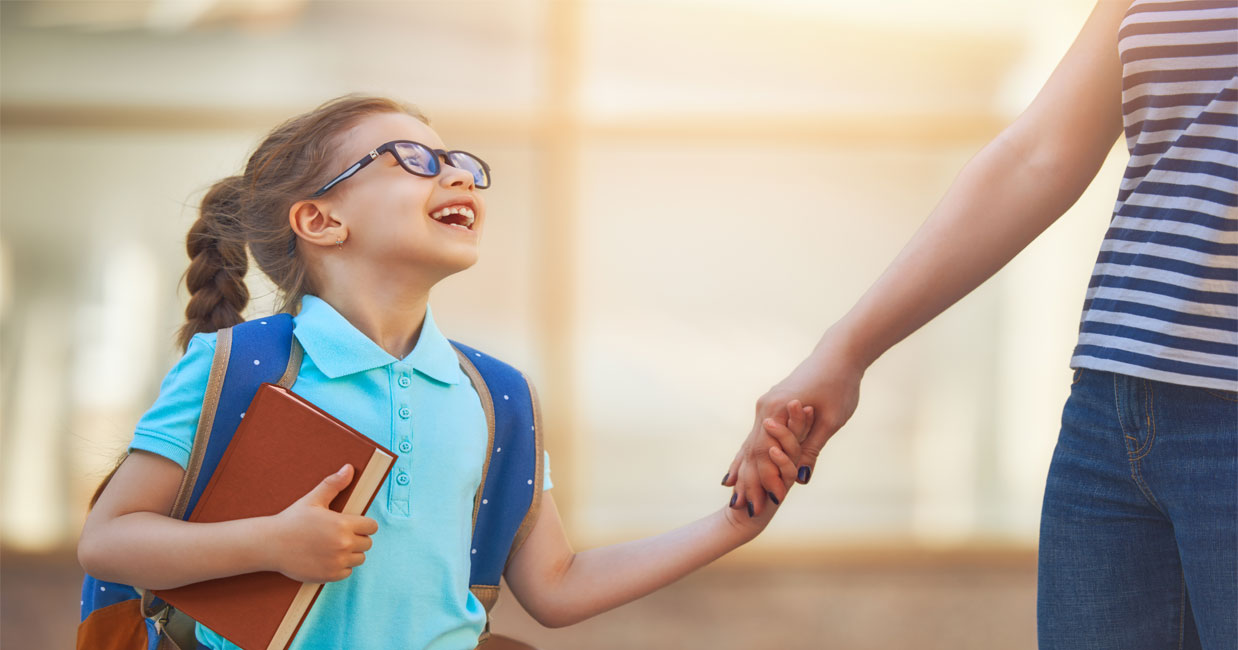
(1163, 299)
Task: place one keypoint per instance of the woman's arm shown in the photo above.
(1009, 193)
(129, 537)
(559, 586)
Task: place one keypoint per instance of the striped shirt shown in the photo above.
(1162, 303)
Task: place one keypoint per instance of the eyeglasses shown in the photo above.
(418, 159)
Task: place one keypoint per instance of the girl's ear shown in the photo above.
(314, 225)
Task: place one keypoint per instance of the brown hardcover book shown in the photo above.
(283, 447)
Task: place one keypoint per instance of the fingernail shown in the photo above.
(734, 498)
(773, 498)
(804, 474)
(750, 514)
(725, 477)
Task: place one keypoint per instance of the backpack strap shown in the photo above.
(246, 356)
(507, 503)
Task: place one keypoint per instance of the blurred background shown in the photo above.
(687, 193)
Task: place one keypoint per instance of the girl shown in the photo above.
(355, 255)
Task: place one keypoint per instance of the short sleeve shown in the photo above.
(546, 482)
(169, 426)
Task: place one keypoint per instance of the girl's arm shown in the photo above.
(1013, 189)
(559, 586)
(129, 537)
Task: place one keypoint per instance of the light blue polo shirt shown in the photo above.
(413, 590)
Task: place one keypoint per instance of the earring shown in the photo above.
(339, 243)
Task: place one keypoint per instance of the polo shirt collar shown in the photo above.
(337, 348)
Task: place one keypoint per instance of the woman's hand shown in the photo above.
(829, 381)
(312, 543)
(787, 432)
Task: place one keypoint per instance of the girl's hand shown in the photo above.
(752, 525)
(312, 543)
(787, 432)
(829, 379)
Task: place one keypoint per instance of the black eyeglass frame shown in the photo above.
(390, 147)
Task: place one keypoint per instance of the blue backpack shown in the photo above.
(125, 618)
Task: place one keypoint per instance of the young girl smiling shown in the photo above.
(355, 211)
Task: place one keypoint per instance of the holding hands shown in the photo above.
(787, 436)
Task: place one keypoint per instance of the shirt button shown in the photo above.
(404, 412)
(406, 446)
(402, 479)
(405, 382)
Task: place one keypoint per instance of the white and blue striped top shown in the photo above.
(1163, 300)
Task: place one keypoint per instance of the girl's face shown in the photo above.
(397, 220)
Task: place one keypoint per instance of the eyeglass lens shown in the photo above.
(425, 162)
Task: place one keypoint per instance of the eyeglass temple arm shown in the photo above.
(356, 167)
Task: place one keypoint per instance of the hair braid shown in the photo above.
(218, 262)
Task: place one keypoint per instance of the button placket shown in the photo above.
(402, 433)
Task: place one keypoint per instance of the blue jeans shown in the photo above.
(1139, 531)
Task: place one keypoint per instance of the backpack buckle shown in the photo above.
(161, 619)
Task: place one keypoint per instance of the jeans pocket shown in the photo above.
(1227, 395)
(1078, 376)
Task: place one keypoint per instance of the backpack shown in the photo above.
(122, 617)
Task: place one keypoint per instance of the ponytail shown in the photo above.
(218, 262)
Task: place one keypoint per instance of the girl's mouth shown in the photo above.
(457, 216)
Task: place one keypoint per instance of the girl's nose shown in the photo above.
(455, 177)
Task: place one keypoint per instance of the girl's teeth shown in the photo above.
(455, 209)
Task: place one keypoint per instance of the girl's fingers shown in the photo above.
(786, 438)
(795, 418)
(786, 468)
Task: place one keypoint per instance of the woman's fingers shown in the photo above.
(732, 473)
(811, 448)
(771, 487)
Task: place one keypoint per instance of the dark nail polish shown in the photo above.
(734, 497)
(804, 474)
(773, 498)
(725, 477)
(750, 513)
